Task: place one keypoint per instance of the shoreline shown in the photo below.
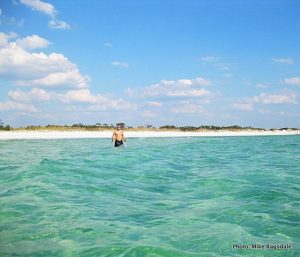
(11, 135)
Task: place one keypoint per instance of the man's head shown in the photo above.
(118, 127)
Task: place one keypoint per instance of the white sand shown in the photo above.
(6, 135)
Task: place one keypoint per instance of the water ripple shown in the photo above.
(172, 197)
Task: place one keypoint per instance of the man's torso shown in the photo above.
(119, 134)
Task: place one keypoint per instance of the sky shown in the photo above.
(158, 62)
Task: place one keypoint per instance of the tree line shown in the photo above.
(4, 127)
(100, 126)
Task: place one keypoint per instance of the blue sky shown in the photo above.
(150, 62)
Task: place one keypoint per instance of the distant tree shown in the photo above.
(188, 128)
(3, 127)
(168, 127)
(79, 125)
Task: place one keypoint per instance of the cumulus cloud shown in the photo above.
(15, 106)
(49, 10)
(19, 63)
(295, 81)
(178, 88)
(32, 42)
(283, 60)
(24, 67)
(284, 98)
(96, 102)
(263, 98)
(56, 24)
(5, 37)
(40, 6)
(120, 64)
(69, 78)
(92, 102)
(34, 95)
(80, 96)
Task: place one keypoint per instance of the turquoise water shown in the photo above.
(156, 197)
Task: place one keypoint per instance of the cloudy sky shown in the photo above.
(150, 62)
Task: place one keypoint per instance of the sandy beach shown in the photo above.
(9, 135)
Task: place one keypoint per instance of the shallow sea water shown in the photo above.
(155, 197)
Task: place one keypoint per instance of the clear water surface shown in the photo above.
(156, 197)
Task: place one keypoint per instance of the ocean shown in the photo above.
(197, 196)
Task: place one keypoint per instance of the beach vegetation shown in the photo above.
(4, 127)
(106, 126)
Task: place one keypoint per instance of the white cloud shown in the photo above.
(284, 98)
(200, 82)
(32, 42)
(49, 10)
(283, 60)
(81, 96)
(96, 102)
(292, 81)
(248, 103)
(92, 102)
(36, 69)
(34, 95)
(15, 106)
(178, 88)
(40, 6)
(5, 37)
(56, 24)
(154, 104)
(112, 105)
(120, 64)
(187, 108)
(69, 78)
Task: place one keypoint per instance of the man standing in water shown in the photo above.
(118, 136)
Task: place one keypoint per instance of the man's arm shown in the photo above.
(123, 137)
(113, 136)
